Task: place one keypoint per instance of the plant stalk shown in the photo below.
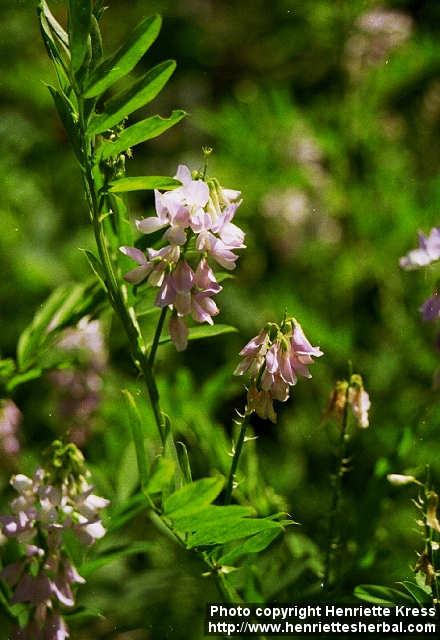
(332, 536)
(235, 458)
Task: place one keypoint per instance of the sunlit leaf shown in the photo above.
(143, 183)
(161, 475)
(227, 530)
(138, 95)
(140, 132)
(193, 497)
(212, 514)
(125, 58)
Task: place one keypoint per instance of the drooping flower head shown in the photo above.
(57, 499)
(274, 359)
(196, 219)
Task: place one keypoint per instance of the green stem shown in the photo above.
(332, 536)
(156, 339)
(235, 459)
(137, 349)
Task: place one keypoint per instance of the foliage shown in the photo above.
(328, 133)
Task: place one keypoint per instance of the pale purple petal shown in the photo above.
(183, 174)
(135, 254)
(182, 303)
(183, 277)
(197, 193)
(136, 276)
(167, 293)
(272, 359)
(301, 345)
(150, 225)
(254, 345)
(175, 235)
(430, 309)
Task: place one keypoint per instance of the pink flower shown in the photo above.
(274, 359)
(188, 293)
(153, 267)
(428, 251)
(44, 578)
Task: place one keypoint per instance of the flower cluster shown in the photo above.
(196, 219)
(274, 359)
(55, 500)
(426, 253)
(351, 394)
(79, 388)
(10, 420)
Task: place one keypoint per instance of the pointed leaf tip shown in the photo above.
(125, 58)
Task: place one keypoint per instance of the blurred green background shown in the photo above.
(326, 116)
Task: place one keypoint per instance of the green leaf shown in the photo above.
(255, 544)
(34, 334)
(226, 530)
(22, 378)
(193, 497)
(143, 183)
(80, 18)
(420, 595)
(88, 568)
(65, 307)
(54, 25)
(138, 437)
(140, 132)
(204, 331)
(7, 369)
(182, 454)
(67, 116)
(96, 42)
(138, 95)
(125, 58)
(161, 475)
(127, 477)
(53, 45)
(95, 265)
(380, 595)
(207, 516)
